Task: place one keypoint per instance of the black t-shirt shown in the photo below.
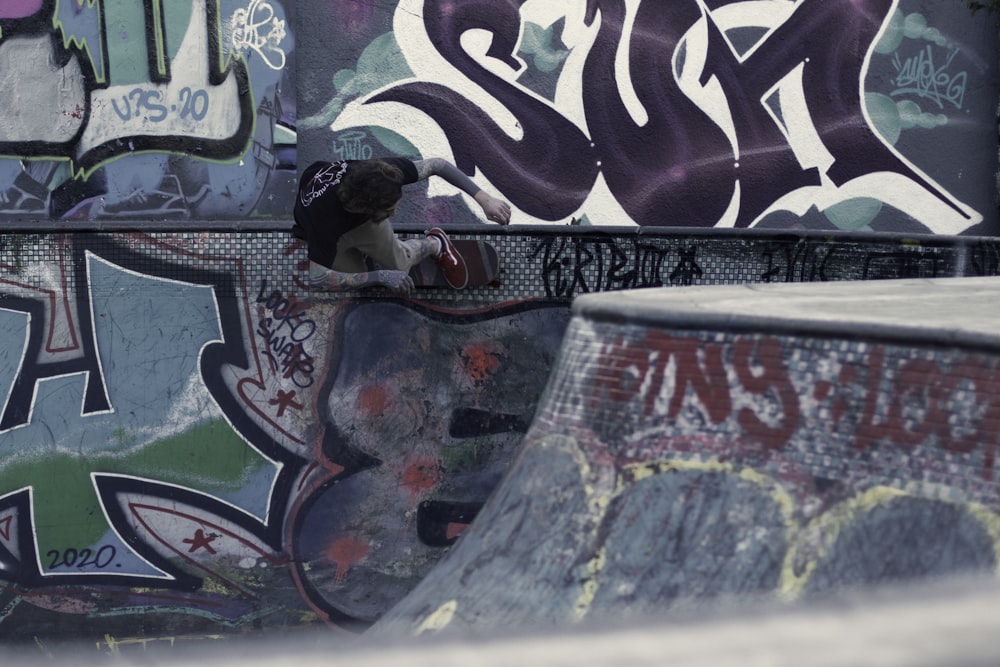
(320, 218)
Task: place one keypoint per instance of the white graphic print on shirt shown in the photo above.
(325, 178)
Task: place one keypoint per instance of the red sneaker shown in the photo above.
(449, 261)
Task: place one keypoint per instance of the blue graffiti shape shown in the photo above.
(550, 170)
(158, 342)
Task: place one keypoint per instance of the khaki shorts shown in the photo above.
(378, 241)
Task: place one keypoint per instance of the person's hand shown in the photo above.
(398, 281)
(496, 210)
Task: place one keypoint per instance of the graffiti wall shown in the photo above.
(877, 115)
(119, 109)
(192, 445)
(675, 468)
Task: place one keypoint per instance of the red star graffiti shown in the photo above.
(200, 541)
(285, 399)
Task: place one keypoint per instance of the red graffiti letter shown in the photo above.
(774, 378)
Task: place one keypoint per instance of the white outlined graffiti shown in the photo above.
(921, 75)
(81, 107)
(726, 141)
(146, 109)
(258, 29)
(198, 104)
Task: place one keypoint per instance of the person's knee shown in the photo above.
(411, 252)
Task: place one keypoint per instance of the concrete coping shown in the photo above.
(941, 311)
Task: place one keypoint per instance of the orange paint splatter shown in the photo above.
(421, 475)
(480, 363)
(373, 400)
(455, 529)
(345, 552)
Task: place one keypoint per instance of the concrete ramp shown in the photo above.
(716, 446)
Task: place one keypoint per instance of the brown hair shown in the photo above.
(370, 185)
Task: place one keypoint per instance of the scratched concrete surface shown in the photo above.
(683, 456)
(948, 623)
(615, 540)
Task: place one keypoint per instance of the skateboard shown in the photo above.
(480, 258)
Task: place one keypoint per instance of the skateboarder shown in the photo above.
(342, 210)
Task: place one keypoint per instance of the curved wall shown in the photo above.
(191, 445)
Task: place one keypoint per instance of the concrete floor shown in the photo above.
(950, 623)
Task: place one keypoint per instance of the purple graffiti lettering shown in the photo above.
(716, 134)
(844, 30)
(652, 177)
(662, 170)
(19, 9)
(551, 169)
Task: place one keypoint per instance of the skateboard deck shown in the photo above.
(480, 258)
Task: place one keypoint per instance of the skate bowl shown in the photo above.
(717, 447)
(198, 448)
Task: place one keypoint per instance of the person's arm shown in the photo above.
(322, 279)
(496, 210)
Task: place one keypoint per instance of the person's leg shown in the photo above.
(349, 259)
(379, 241)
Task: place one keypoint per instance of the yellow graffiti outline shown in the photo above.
(437, 620)
(833, 521)
(828, 525)
(602, 484)
(636, 472)
(990, 522)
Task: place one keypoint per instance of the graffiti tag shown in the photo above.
(258, 29)
(141, 100)
(284, 334)
(193, 102)
(904, 403)
(921, 76)
(572, 266)
(82, 558)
